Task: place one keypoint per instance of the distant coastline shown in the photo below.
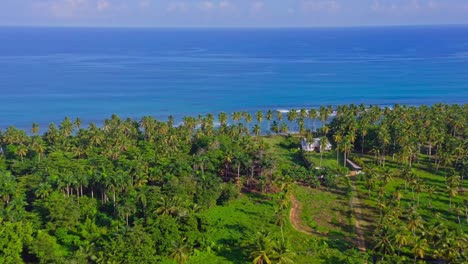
(91, 74)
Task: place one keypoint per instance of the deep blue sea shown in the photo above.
(49, 73)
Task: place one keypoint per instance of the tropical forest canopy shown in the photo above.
(149, 191)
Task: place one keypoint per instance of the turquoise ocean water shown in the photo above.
(49, 73)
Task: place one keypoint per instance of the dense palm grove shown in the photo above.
(432, 139)
(134, 191)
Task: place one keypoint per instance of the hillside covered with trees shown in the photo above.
(150, 191)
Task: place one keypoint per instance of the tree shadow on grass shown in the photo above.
(340, 243)
(232, 251)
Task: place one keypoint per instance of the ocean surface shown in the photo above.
(91, 73)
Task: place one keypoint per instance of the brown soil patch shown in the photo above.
(294, 217)
(356, 206)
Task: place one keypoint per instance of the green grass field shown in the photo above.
(326, 211)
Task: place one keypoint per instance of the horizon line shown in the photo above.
(233, 27)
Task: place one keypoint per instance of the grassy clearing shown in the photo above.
(328, 158)
(283, 149)
(232, 223)
(327, 212)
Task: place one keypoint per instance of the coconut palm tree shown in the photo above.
(66, 127)
(222, 118)
(259, 116)
(35, 128)
(323, 144)
(312, 114)
(452, 191)
(256, 130)
(280, 219)
(420, 248)
(261, 248)
(21, 151)
(279, 116)
(284, 128)
(38, 146)
(180, 251)
(281, 253)
(384, 243)
(236, 116)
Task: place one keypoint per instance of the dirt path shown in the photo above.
(296, 222)
(355, 206)
(294, 217)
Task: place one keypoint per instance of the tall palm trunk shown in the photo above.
(238, 175)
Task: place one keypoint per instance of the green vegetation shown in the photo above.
(148, 191)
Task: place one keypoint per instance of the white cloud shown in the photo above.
(67, 8)
(207, 6)
(145, 3)
(224, 4)
(212, 6)
(320, 5)
(411, 6)
(257, 6)
(177, 7)
(102, 5)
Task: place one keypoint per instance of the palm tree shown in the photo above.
(275, 127)
(284, 127)
(38, 146)
(126, 208)
(419, 187)
(43, 190)
(384, 242)
(35, 128)
(236, 116)
(259, 116)
(401, 239)
(347, 145)
(324, 113)
(269, 117)
(66, 127)
(247, 118)
(384, 140)
(420, 248)
(323, 144)
(167, 206)
(279, 115)
(451, 192)
(280, 220)
(256, 130)
(180, 251)
(222, 117)
(313, 115)
(77, 123)
(21, 151)
(414, 222)
(338, 138)
(281, 253)
(261, 248)
(459, 210)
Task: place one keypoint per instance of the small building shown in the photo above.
(355, 169)
(314, 145)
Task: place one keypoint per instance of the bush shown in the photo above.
(229, 192)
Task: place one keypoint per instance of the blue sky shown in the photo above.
(232, 13)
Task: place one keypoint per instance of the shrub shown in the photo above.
(229, 192)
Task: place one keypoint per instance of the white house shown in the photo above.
(314, 146)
